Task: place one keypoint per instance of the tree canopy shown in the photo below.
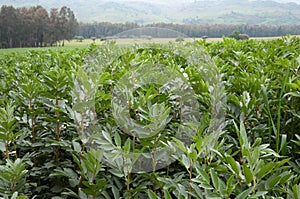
(35, 27)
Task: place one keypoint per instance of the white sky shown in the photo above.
(182, 1)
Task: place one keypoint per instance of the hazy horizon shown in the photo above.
(188, 1)
(177, 11)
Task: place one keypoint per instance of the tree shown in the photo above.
(25, 27)
(67, 24)
(238, 36)
(243, 37)
(235, 34)
(9, 21)
(71, 24)
(179, 39)
(33, 27)
(41, 20)
(54, 24)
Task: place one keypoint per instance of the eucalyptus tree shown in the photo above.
(35, 27)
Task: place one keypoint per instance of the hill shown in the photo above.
(188, 11)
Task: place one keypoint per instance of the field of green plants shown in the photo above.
(115, 121)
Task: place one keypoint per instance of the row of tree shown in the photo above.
(104, 29)
(35, 27)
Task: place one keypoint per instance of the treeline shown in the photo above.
(35, 27)
(104, 29)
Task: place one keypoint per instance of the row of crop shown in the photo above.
(54, 101)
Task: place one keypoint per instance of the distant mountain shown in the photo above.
(267, 12)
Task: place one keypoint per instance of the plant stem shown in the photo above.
(82, 129)
(57, 130)
(154, 153)
(6, 149)
(32, 121)
(82, 126)
(190, 177)
(133, 141)
(128, 182)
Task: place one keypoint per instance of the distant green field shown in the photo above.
(131, 41)
(86, 42)
(125, 41)
(6, 51)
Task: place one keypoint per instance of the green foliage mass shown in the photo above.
(48, 98)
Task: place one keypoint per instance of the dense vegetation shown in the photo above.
(52, 100)
(35, 27)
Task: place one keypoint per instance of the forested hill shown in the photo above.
(182, 12)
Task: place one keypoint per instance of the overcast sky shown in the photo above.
(168, 1)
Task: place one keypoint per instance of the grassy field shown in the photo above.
(86, 42)
(125, 41)
(4, 52)
(131, 41)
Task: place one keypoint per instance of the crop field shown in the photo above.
(69, 45)
(131, 41)
(195, 119)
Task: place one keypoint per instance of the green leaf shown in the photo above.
(117, 139)
(282, 162)
(248, 174)
(152, 195)
(283, 144)
(242, 135)
(82, 195)
(186, 161)
(272, 182)
(244, 194)
(203, 174)
(14, 196)
(259, 194)
(115, 191)
(294, 94)
(296, 191)
(229, 184)
(126, 146)
(76, 146)
(22, 197)
(285, 176)
(116, 172)
(107, 137)
(167, 194)
(2, 146)
(265, 170)
(204, 185)
(197, 189)
(234, 165)
(214, 178)
(179, 144)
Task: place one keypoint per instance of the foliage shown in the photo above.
(35, 27)
(179, 39)
(107, 29)
(237, 35)
(50, 99)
